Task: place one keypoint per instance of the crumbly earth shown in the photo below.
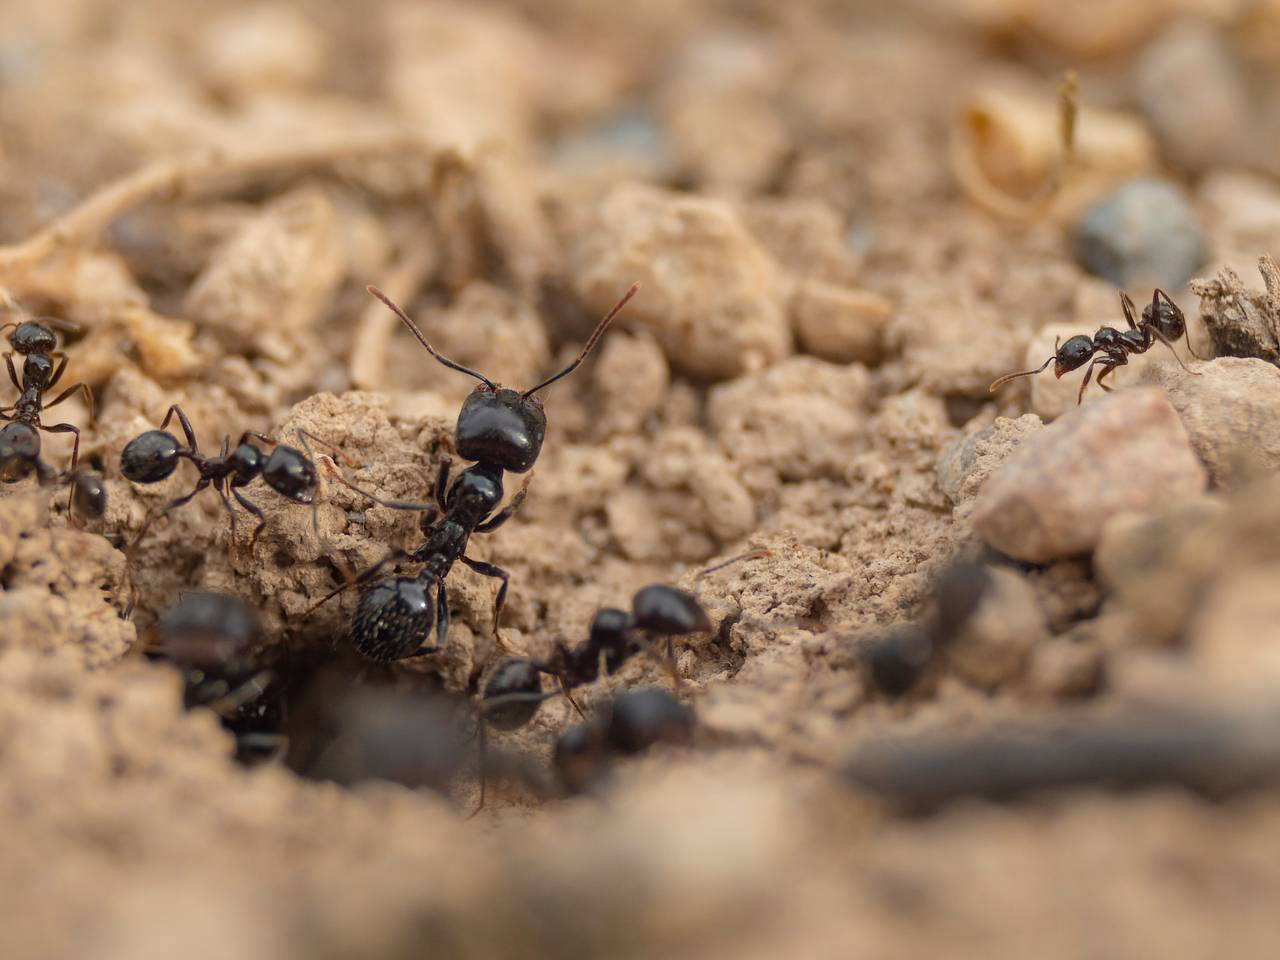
(847, 220)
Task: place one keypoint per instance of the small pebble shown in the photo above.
(1051, 499)
(1229, 409)
(839, 324)
(1144, 232)
(967, 464)
(710, 294)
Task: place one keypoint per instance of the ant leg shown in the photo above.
(1088, 375)
(186, 426)
(362, 578)
(389, 504)
(67, 428)
(1106, 371)
(564, 688)
(498, 519)
(257, 512)
(231, 511)
(83, 388)
(334, 453)
(1130, 311)
(497, 573)
(57, 372)
(442, 613)
(442, 483)
(13, 374)
(482, 763)
(171, 505)
(647, 647)
(1165, 340)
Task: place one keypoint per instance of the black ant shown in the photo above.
(216, 641)
(42, 368)
(632, 723)
(1161, 320)
(502, 431)
(514, 692)
(153, 456)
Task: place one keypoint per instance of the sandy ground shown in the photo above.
(847, 221)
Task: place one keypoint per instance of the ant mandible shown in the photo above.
(1161, 320)
(502, 431)
(42, 368)
(153, 456)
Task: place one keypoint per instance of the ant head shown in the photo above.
(501, 426)
(651, 715)
(497, 425)
(1165, 316)
(1072, 355)
(150, 457)
(512, 694)
(32, 336)
(669, 611)
(208, 630)
(89, 493)
(609, 628)
(394, 620)
(19, 451)
(289, 473)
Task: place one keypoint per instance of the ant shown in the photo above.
(42, 368)
(153, 456)
(216, 642)
(1161, 320)
(514, 693)
(502, 431)
(635, 721)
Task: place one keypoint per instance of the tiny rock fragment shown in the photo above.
(839, 324)
(1229, 409)
(1144, 232)
(273, 278)
(994, 642)
(966, 464)
(1127, 451)
(710, 293)
(1241, 322)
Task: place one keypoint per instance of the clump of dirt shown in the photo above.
(846, 222)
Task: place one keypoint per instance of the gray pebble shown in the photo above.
(1144, 232)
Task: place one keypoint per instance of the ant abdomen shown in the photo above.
(19, 451)
(669, 611)
(289, 473)
(89, 493)
(393, 620)
(512, 694)
(150, 457)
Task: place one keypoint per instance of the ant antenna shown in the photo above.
(413, 328)
(1014, 376)
(596, 334)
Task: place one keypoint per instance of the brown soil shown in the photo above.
(847, 222)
